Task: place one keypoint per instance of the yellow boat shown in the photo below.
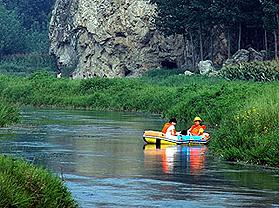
(159, 138)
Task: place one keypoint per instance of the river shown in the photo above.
(104, 163)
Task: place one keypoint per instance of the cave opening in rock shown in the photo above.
(169, 64)
(120, 34)
(127, 72)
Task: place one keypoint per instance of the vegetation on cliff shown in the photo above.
(243, 113)
(23, 185)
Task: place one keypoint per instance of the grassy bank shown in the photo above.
(23, 185)
(223, 104)
(9, 114)
(251, 133)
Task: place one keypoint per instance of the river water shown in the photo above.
(104, 163)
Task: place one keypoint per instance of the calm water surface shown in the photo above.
(104, 163)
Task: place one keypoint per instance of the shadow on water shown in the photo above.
(101, 157)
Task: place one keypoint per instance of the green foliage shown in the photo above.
(24, 64)
(23, 185)
(211, 102)
(180, 16)
(251, 133)
(38, 42)
(256, 71)
(32, 13)
(9, 114)
(24, 26)
(225, 12)
(218, 101)
(12, 34)
(270, 17)
(161, 73)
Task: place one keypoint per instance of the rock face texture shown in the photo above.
(110, 38)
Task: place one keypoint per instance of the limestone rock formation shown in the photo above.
(110, 38)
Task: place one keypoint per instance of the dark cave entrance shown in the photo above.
(169, 64)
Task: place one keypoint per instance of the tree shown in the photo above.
(226, 13)
(187, 17)
(200, 18)
(250, 18)
(32, 13)
(271, 21)
(12, 34)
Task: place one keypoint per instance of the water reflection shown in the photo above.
(176, 158)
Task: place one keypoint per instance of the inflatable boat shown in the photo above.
(158, 138)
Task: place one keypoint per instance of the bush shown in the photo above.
(257, 71)
(26, 64)
(9, 114)
(251, 133)
(23, 185)
(161, 73)
(38, 42)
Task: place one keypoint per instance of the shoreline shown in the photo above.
(27, 185)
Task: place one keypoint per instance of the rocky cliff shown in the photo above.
(110, 38)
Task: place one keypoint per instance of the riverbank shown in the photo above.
(9, 113)
(243, 113)
(23, 185)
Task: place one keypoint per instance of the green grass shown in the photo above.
(9, 114)
(23, 185)
(251, 134)
(218, 101)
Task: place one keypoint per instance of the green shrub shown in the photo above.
(23, 185)
(251, 133)
(9, 114)
(95, 84)
(256, 71)
(26, 64)
(161, 73)
(38, 41)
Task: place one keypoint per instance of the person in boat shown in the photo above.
(197, 129)
(169, 129)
